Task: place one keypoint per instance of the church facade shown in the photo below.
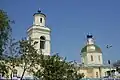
(92, 61)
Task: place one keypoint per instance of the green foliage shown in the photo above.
(56, 68)
(12, 55)
(28, 57)
(18, 54)
(3, 68)
(4, 30)
(45, 67)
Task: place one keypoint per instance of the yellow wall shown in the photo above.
(91, 72)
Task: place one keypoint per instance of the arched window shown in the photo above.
(40, 20)
(42, 42)
(91, 58)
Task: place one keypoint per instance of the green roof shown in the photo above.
(95, 50)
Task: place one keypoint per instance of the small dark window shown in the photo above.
(42, 42)
(40, 20)
(99, 58)
(91, 58)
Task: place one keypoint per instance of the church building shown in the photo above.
(92, 61)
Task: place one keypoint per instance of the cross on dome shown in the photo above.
(39, 11)
(89, 36)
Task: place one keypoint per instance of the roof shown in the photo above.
(40, 13)
(91, 49)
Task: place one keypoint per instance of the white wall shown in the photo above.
(95, 58)
(37, 20)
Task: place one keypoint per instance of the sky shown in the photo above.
(70, 21)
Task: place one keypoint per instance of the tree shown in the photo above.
(29, 55)
(3, 69)
(4, 30)
(56, 68)
(12, 56)
(19, 54)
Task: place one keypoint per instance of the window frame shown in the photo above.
(92, 58)
(99, 58)
(42, 42)
(41, 20)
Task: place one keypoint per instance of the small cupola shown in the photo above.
(39, 19)
(90, 39)
(91, 47)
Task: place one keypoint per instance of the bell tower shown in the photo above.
(40, 33)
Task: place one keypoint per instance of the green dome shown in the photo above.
(91, 49)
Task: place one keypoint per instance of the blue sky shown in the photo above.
(70, 22)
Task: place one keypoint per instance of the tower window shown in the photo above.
(40, 20)
(42, 42)
(99, 58)
(91, 58)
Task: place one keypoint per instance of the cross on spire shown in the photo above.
(39, 11)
